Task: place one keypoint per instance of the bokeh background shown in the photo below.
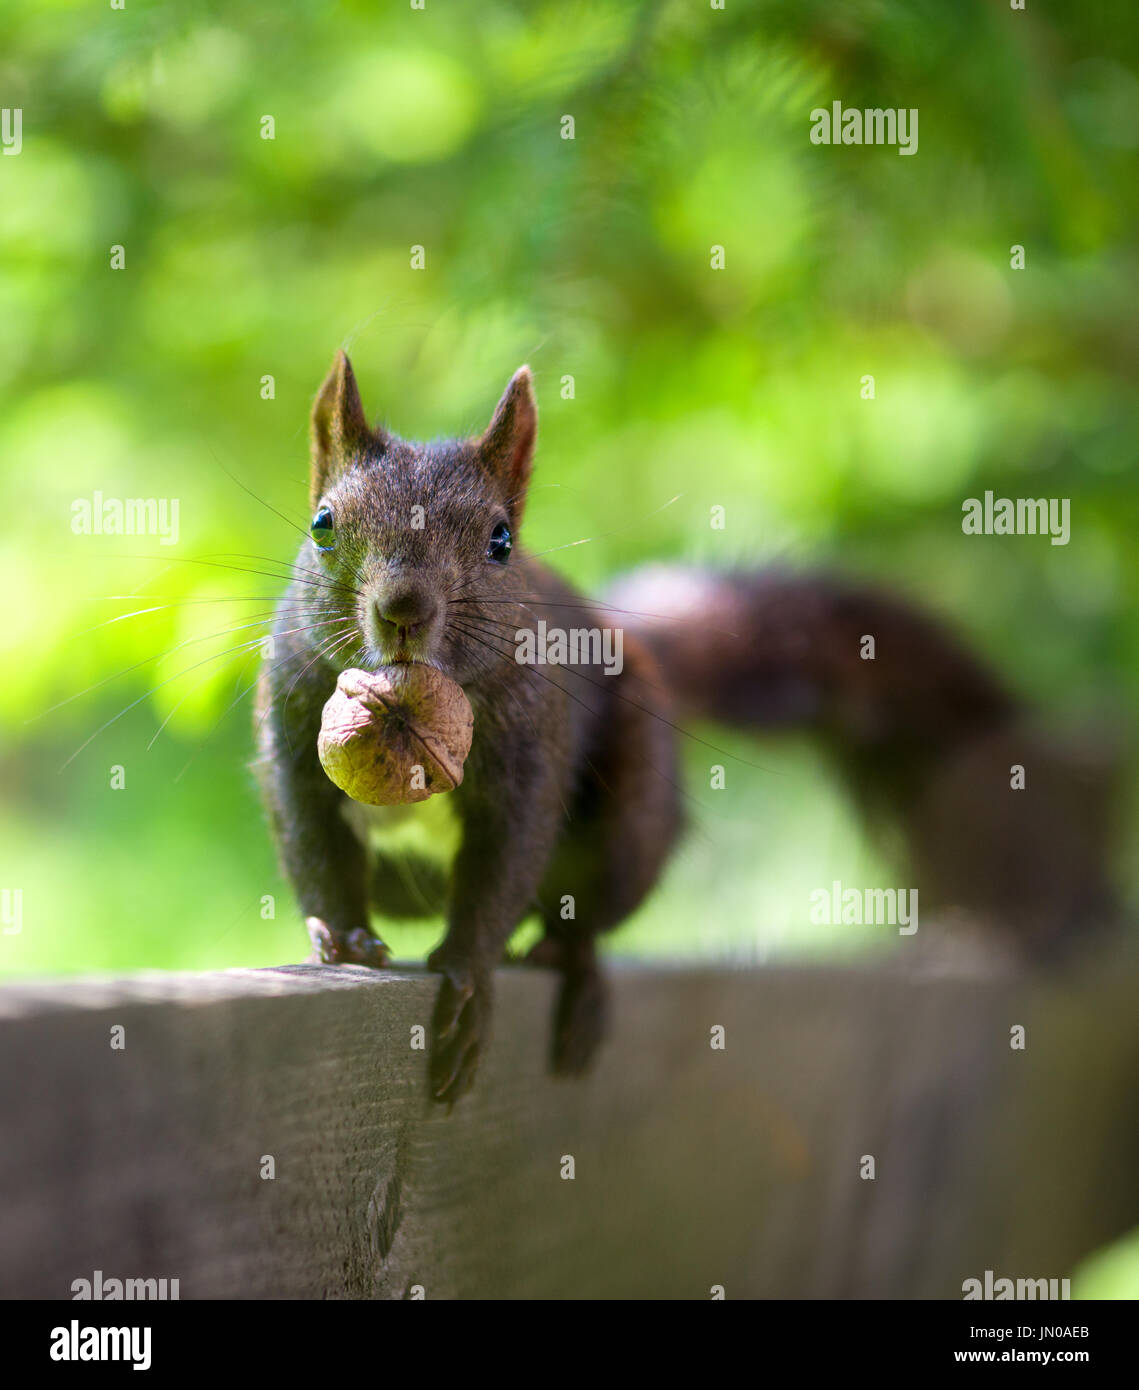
(442, 128)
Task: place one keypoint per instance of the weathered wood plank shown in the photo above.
(694, 1167)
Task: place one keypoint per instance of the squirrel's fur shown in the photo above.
(571, 789)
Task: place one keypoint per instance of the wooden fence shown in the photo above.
(694, 1167)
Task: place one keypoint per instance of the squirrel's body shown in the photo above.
(569, 806)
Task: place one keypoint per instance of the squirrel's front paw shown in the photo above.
(357, 947)
(459, 1029)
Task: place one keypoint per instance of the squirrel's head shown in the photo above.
(415, 540)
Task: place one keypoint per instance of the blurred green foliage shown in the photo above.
(442, 128)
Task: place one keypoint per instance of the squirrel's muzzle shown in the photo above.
(401, 620)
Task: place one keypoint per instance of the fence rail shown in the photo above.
(693, 1167)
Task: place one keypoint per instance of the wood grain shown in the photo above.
(694, 1167)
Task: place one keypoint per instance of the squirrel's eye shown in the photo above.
(323, 535)
(498, 547)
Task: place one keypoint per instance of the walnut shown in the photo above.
(396, 735)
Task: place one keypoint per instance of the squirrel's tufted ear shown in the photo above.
(507, 447)
(338, 425)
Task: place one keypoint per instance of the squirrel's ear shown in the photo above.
(507, 447)
(338, 425)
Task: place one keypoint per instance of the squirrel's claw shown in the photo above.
(458, 1030)
(357, 947)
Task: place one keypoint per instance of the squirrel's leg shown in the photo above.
(323, 858)
(511, 813)
(329, 868)
(617, 842)
(581, 1015)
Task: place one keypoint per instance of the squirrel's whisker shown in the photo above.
(291, 571)
(647, 762)
(507, 630)
(164, 607)
(257, 498)
(322, 653)
(241, 646)
(251, 652)
(297, 571)
(606, 535)
(232, 705)
(601, 605)
(158, 656)
(645, 709)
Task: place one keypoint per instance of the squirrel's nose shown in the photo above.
(407, 611)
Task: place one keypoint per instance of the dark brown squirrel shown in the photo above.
(571, 788)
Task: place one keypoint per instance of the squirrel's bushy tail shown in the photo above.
(922, 731)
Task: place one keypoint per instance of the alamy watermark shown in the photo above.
(75, 1343)
(575, 646)
(999, 1289)
(12, 129)
(891, 907)
(874, 126)
(126, 516)
(105, 1288)
(1017, 516)
(11, 911)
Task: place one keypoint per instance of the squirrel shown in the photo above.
(571, 789)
